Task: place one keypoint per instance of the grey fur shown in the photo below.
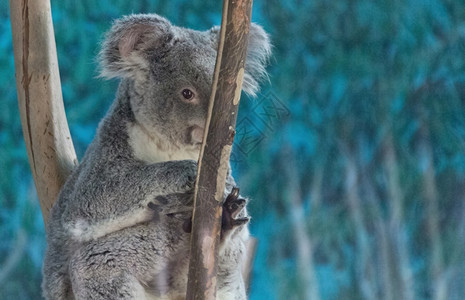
(105, 241)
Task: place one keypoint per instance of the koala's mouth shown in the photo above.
(195, 135)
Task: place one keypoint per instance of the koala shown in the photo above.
(119, 228)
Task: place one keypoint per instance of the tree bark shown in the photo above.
(46, 133)
(216, 149)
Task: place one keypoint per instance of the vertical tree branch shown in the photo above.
(46, 133)
(383, 247)
(397, 223)
(430, 195)
(303, 243)
(365, 267)
(216, 148)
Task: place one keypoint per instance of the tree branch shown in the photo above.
(46, 133)
(216, 148)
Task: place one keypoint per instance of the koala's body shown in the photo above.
(116, 230)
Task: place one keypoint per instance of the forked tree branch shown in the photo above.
(46, 133)
(216, 148)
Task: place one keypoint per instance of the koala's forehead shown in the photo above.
(188, 49)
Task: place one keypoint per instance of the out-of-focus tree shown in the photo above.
(376, 92)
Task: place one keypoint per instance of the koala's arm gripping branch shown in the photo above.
(46, 133)
(216, 149)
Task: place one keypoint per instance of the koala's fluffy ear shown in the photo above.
(258, 54)
(127, 45)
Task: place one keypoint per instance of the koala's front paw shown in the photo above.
(232, 207)
(178, 206)
(185, 174)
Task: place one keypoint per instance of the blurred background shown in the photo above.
(353, 155)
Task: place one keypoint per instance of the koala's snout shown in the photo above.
(196, 134)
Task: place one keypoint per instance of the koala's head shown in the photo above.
(171, 69)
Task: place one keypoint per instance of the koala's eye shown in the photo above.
(187, 94)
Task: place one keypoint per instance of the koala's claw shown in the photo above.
(161, 207)
(189, 175)
(232, 207)
(155, 208)
(191, 181)
(187, 225)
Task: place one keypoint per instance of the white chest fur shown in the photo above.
(152, 148)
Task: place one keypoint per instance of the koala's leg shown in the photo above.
(232, 248)
(110, 286)
(124, 264)
(56, 284)
(231, 257)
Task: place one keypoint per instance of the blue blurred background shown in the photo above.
(353, 154)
